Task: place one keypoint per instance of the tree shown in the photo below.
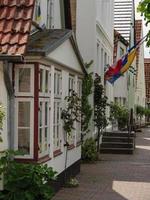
(140, 112)
(100, 103)
(144, 9)
(69, 115)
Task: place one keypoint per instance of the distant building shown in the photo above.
(147, 80)
(124, 21)
(140, 76)
(123, 12)
(121, 85)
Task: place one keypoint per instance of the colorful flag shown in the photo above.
(123, 64)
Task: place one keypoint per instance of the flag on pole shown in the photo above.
(123, 64)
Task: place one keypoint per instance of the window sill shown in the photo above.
(43, 159)
(39, 161)
(57, 153)
(70, 147)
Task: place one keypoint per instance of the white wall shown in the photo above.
(86, 29)
(66, 50)
(105, 16)
(140, 86)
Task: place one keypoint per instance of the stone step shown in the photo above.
(117, 139)
(119, 134)
(116, 145)
(117, 150)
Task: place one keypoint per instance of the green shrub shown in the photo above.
(120, 114)
(25, 181)
(89, 152)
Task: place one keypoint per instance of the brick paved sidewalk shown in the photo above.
(116, 177)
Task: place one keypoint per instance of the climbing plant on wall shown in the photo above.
(86, 106)
(2, 115)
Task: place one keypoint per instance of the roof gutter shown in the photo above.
(12, 58)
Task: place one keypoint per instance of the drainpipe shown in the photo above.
(10, 103)
(7, 70)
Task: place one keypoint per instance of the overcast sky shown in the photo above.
(145, 29)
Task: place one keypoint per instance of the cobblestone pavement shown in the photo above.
(115, 177)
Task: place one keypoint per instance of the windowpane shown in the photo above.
(46, 113)
(46, 138)
(24, 79)
(40, 114)
(46, 80)
(24, 140)
(40, 140)
(41, 79)
(24, 114)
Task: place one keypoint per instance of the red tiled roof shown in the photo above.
(15, 23)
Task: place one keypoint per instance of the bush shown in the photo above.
(120, 114)
(25, 181)
(89, 152)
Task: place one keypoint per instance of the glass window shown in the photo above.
(57, 84)
(43, 126)
(71, 83)
(24, 127)
(57, 128)
(121, 51)
(44, 81)
(24, 80)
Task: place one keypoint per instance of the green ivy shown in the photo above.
(86, 106)
(2, 115)
(144, 9)
(25, 181)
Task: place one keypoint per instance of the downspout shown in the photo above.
(10, 103)
(7, 70)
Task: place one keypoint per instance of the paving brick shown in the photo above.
(115, 177)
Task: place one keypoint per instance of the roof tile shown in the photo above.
(15, 24)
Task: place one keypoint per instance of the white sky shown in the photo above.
(145, 29)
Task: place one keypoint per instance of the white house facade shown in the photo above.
(140, 95)
(37, 71)
(94, 33)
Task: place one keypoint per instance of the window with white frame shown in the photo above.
(24, 109)
(71, 83)
(57, 125)
(43, 126)
(24, 126)
(44, 81)
(50, 14)
(24, 80)
(57, 84)
(44, 110)
(79, 92)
